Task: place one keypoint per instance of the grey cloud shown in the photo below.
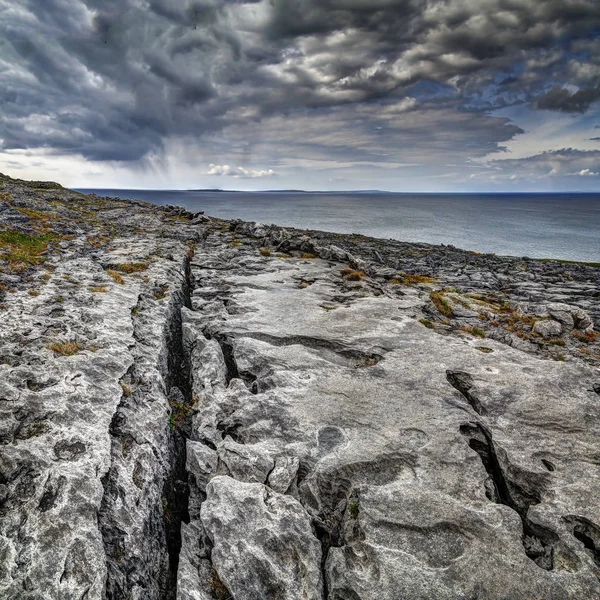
(116, 79)
(567, 162)
(563, 100)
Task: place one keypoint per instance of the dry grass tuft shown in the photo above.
(587, 337)
(415, 278)
(352, 275)
(65, 348)
(129, 268)
(117, 278)
(99, 289)
(265, 252)
(440, 302)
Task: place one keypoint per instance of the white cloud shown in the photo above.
(587, 173)
(239, 172)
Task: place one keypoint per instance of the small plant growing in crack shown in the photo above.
(440, 302)
(218, 589)
(161, 292)
(429, 324)
(265, 252)
(353, 508)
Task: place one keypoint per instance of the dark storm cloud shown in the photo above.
(116, 79)
(561, 99)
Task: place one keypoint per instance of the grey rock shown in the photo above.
(548, 328)
(582, 319)
(561, 312)
(284, 473)
(263, 546)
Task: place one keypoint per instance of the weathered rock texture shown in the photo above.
(202, 409)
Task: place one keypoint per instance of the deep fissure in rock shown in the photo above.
(538, 541)
(228, 356)
(124, 572)
(588, 534)
(179, 386)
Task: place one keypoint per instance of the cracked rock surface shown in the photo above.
(241, 411)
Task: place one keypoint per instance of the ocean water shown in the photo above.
(563, 226)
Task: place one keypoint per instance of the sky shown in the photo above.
(399, 95)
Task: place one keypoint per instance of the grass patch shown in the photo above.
(21, 249)
(352, 275)
(265, 252)
(429, 324)
(569, 262)
(475, 331)
(161, 292)
(65, 348)
(130, 268)
(553, 342)
(308, 255)
(99, 289)
(116, 277)
(126, 390)
(440, 302)
(587, 337)
(415, 278)
(35, 429)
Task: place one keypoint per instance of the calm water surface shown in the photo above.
(563, 226)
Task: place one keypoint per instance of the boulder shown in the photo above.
(263, 544)
(548, 328)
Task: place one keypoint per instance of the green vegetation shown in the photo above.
(265, 252)
(568, 262)
(440, 302)
(35, 429)
(353, 508)
(130, 268)
(475, 331)
(429, 324)
(161, 292)
(21, 250)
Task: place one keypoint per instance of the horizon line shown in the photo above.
(356, 191)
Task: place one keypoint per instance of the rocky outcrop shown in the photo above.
(197, 409)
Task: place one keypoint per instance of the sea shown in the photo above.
(541, 225)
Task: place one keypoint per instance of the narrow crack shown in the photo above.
(463, 382)
(538, 541)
